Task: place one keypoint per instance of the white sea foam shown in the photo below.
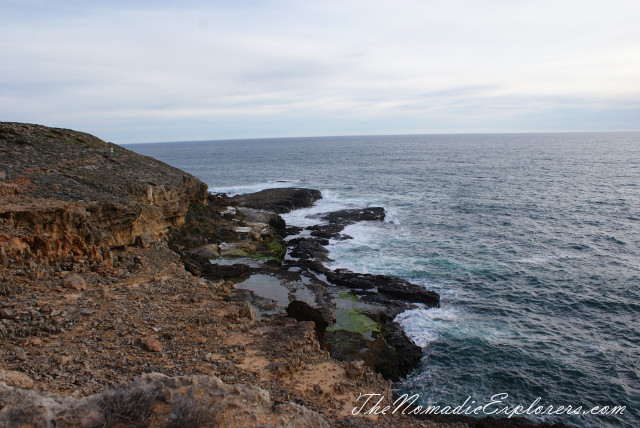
(331, 201)
(425, 325)
(371, 249)
(254, 187)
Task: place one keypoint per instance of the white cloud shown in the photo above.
(100, 67)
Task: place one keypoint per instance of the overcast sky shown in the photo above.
(139, 71)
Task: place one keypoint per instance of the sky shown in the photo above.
(147, 71)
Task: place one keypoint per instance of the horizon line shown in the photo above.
(379, 135)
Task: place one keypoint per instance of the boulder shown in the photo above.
(216, 271)
(74, 282)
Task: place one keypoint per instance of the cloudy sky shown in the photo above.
(139, 71)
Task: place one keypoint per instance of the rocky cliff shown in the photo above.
(67, 196)
(94, 241)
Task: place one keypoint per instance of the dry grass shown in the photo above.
(132, 405)
(188, 413)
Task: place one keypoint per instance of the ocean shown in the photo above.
(532, 241)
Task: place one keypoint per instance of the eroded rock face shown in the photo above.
(156, 400)
(66, 194)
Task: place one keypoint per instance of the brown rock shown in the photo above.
(20, 354)
(34, 341)
(74, 282)
(144, 240)
(14, 378)
(247, 311)
(152, 344)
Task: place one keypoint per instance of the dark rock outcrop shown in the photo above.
(408, 354)
(310, 254)
(391, 286)
(375, 352)
(302, 311)
(365, 329)
(217, 271)
(338, 220)
(278, 200)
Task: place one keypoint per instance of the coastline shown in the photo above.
(107, 276)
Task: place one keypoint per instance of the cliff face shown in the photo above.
(83, 311)
(66, 195)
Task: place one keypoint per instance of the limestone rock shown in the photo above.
(15, 378)
(247, 311)
(150, 399)
(79, 196)
(74, 282)
(208, 251)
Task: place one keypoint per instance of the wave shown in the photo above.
(254, 187)
(331, 201)
(424, 326)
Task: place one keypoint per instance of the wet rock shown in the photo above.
(310, 254)
(391, 286)
(292, 230)
(195, 263)
(375, 352)
(390, 307)
(408, 354)
(338, 220)
(278, 200)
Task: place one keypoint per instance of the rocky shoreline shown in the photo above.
(353, 313)
(132, 297)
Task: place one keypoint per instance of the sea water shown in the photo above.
(531, 240)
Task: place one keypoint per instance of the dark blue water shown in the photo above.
(532, 240)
